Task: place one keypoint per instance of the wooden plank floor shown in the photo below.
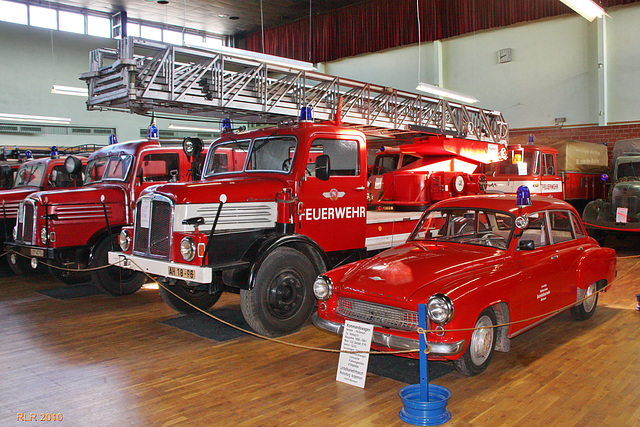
(107, 361)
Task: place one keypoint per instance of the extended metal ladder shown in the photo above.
(143, 75)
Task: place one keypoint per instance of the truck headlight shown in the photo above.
(15, 232)
(43, 235)
(188, 249)
(440, 309)
(323, 288)
(124, 240)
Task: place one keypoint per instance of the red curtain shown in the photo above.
(383, 24)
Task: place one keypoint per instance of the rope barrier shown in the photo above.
(421, 332)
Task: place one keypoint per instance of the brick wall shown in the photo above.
(596, 134)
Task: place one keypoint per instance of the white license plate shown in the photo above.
(36, 252)
(183, 273)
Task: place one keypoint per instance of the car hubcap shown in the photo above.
(590, 302)
(481, 341)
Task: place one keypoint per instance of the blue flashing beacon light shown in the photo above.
(113, 139)
(225, 126)
(28, 155)
(305, 114)
(604, 177)
(152, 133)
(523, 196)
(54, 151)
(382, 148)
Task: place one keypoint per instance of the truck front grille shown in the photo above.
(377, 314)
(152, 228)
(26, 222)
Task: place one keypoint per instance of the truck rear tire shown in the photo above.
(199, 298)
(281, 300)
(114, 280)
(69, 277)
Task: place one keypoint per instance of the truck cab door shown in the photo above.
(334, 211)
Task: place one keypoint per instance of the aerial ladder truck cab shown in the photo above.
(275, 206)
(564, 169)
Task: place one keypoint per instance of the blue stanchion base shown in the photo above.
(421, 413)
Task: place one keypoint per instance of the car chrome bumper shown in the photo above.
(392, 341)
(191, 273)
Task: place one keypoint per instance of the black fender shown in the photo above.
(308, 247)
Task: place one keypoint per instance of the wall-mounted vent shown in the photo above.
(20, 129)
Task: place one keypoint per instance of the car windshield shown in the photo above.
(108, 168)
(30, 174)
(467, 226)
(272, 154)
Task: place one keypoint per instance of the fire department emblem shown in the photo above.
(333, 194)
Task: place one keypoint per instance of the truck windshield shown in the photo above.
(30, 175)
(468, 226)
(626, 169)
(108, 168)
(272, 154)
(517, 164)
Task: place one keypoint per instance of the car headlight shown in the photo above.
(15, 232)
(188, 249)
(440, 309)
(124, 240)
(43, 235)
(323, 288)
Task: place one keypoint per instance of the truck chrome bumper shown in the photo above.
(392, 341)
(191, 273)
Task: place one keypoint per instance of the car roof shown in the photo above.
(504, 202)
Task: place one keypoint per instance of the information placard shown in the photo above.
(352, 367)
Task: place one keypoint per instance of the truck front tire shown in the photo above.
(201, 299)
(281, 300)
(114, 280)
(69, 277)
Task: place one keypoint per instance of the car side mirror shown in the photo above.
(323, 167)
(526, 245)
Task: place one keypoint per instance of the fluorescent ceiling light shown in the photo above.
(176, 127)
(70, 90)
(35, 119)
(445, 93)
(262, 57)
(587, 8)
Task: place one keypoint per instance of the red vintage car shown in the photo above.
(475, 261)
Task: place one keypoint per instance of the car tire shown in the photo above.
(201, 299)
(478, 354)
(587, 307)
(281, 300)
(69, 277)
(114, 280)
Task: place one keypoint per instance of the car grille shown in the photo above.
(154, 241)
(26, 223)
(377, 314)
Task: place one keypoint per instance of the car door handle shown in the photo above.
(359, 188)
(554, 257)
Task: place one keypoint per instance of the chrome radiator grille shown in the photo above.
(379, 315)
(26, 222)
(152, 234)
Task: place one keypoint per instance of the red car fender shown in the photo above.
(596, 259)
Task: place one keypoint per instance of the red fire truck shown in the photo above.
(433, 169)
(295, 208)
(33, 175)
(75, 228)
(574, 176)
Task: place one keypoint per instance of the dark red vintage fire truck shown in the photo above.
(291, 204)
(33, 175)
(75, 228)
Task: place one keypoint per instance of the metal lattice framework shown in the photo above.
(143, 75)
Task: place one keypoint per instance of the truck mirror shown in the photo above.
(140, 176)
(323, 167)
(526, 245)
